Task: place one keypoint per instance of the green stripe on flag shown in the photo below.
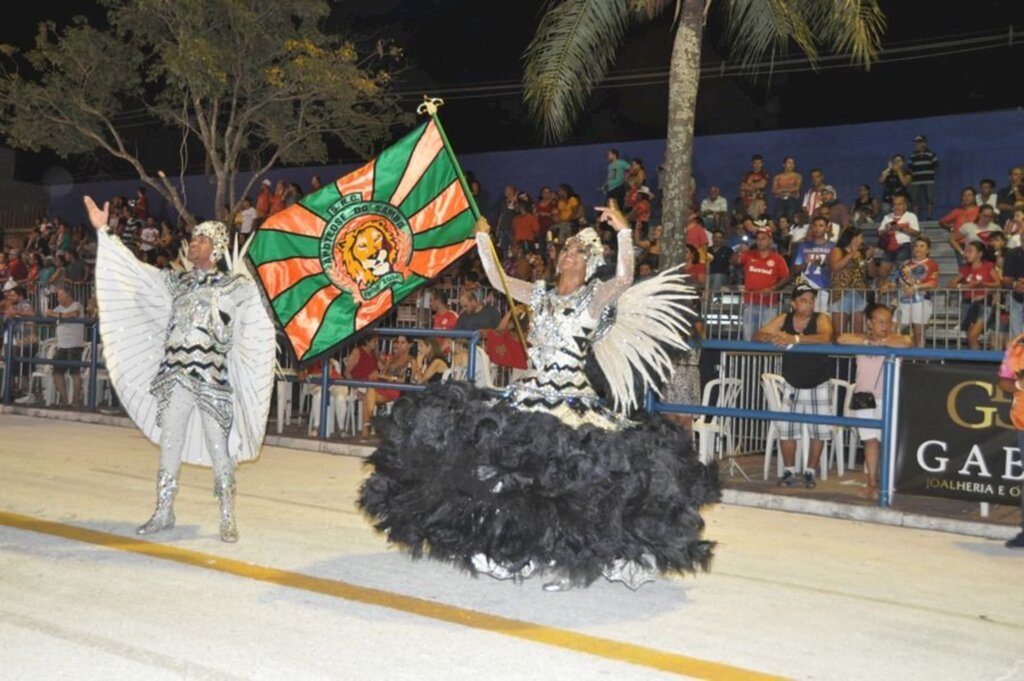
(339, 323)
(269, 245)
(294, 299)
(391, 164)
(319, 201)
(458, 229)
(440, 173)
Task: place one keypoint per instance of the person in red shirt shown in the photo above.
(694, 268)
(277, 201)
(444, 317)
(966, 212)
(753, 184)
(640, 213)
(975, 278)
(525, 226)
(764, 273)
(141, 204)
(546, 210)
(263, 200)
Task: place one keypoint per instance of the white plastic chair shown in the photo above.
(340, 403)
(774, 389)
(839, 433)
(718, 428)
(42, 374)
(285, 383)
(103, 389)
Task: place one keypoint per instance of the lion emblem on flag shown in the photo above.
(368, 252)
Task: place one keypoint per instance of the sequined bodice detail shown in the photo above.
(560, 331)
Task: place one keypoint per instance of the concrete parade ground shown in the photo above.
(311, 591)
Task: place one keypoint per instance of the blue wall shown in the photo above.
(970, 147)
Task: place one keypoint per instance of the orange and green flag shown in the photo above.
(343, 256)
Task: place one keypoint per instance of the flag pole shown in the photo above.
(429, 107)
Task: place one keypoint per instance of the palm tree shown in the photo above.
(576, 42)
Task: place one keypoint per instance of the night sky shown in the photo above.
(456, 44)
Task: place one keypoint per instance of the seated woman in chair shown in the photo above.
(432, 364)
(396, 368)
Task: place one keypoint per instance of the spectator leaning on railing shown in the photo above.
(977, 277)
(806, 376)
(867, 401)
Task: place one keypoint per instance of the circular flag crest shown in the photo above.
(366, 247)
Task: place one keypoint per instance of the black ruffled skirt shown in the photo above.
(458, 474)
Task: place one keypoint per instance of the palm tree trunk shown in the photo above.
(684, 77)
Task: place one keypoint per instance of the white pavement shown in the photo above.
(790, 595)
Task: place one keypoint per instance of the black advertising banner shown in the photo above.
(954, 438)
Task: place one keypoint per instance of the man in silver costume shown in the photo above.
(211, 364)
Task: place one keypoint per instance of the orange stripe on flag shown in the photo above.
(426, 150)
(280, 275)
(373, 308)
(430, 262)
(296, 220)
(358, 181)
(306, 322)
(443, 208)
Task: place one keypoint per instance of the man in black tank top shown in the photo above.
(806, 376)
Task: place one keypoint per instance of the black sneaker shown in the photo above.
(1017, 542)
(809, 481)
(787, 479)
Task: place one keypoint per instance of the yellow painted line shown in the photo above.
(559, 638)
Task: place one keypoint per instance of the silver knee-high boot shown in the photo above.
(163, 516)
(225, 491)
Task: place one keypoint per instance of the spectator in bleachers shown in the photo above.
(753, 183)
(847, 263)
(474, 315)
(1010, 195)
(869, 381)
(813, 196)
(75, 272)
(149, 238)
(719, 266)
(278, 198)
(982, 229)
(23, 337)
(833, 229)
(570, 213)
(894, 180)
(806, 376)
(696, 270)
(397, 367)
(525, 226)
(16, 267)
(640, 212)
(650, 246)
(798, 231)
(636, 177)
(765, 273)
(811, 261)
(70, 343)
(315, 184)
(1014, 227)
(714, 208)
(697, 234)
(917, 278)
(895, 233)
(987, 193)
(614, 186)
(546, 210)
(783, 239)
(245, 221)
(786, 189)
(976, 278)
(431, 364)
(952, 221)
(837, 212)
(264, 198)
(140, 207)
(923, 166)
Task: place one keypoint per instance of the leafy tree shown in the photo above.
(576, 42)
(251, 84)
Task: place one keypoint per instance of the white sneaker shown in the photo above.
(27, 399)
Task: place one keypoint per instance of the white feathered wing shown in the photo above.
(651, 317)
(134, 311)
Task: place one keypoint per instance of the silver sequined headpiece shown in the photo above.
(593, 249)
(217, 232)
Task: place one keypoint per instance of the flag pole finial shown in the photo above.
(429, 105)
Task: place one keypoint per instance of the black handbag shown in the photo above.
(862, 401)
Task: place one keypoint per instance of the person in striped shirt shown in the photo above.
(923, 166)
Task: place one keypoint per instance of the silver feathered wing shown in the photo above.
(651, 318)
(134, 311)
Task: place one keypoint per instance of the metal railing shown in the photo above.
(937, 320)
(890, 394)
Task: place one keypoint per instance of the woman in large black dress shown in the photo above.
(546, 477)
